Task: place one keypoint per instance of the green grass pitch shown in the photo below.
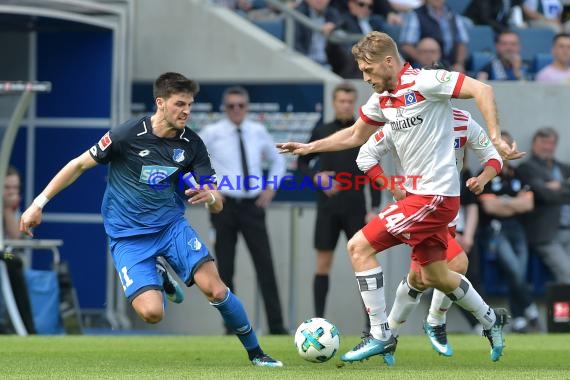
(221, 357)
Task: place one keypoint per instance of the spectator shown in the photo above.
(429, 53)
(311, 43)
(358, 20)
(436, 20)
(544, 13)
(548, 225)
(336, 210)
(559, 70)
(382, 8)
(404, 6)
(238, 147)
(495, 13)
(503, 201)
(14, 264)
(507, 64)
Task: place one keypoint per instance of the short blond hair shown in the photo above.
(375, 46)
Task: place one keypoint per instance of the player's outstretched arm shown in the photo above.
(346, 138)
(485, 99)
(65, 177)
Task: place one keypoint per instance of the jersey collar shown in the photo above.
(400, 74)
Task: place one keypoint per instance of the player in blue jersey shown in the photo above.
(143, 212)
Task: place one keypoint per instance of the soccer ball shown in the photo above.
(317, 340)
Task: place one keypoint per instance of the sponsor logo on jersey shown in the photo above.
(408, 122)
(178, 155)
(194, 244)
(483, 139)
(516, 185)
(378, 136)
(496, 184)
(410, 98)
(144, 153)
(105, 141)
(442, 76)
(400, 112)
(459, 142)
(155, 175)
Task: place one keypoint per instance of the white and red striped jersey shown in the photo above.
(417, 117)
(466, 132)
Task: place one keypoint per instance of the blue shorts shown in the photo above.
(135, 257)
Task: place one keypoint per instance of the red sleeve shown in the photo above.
(374, 172)
(368, 120)
(458, 85)
(495, 164)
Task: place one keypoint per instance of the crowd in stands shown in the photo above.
(487, 39)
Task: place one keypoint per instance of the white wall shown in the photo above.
(210, 43)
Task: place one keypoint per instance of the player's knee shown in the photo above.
(355, 250)
(151, 314)
(415, 281)
(459, 264)
(217, 292)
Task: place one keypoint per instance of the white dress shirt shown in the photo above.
(222, 142)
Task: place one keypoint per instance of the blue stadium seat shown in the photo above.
(539, 275)
(481, 38)
(540, 61)
(458, 6)
(478, 60)
(535, 41)
(275, 27)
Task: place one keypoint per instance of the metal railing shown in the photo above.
(292, 16)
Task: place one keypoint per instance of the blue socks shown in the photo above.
(235, 318)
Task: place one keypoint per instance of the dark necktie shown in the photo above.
(245, 170)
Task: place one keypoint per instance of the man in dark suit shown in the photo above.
(548, 226)
(494, 13)
(311, 43)
(358, 20)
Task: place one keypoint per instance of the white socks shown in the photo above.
(440, 304)
(468, 298)
(371, 285)
(407, 298)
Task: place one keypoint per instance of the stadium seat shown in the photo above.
(478, 60)
(539, 275)
(493, 279)
(458, 6)
(541, 60)
(481, 38)
(275, 27)
(535, 41)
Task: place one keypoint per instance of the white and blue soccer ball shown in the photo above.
(317, 340)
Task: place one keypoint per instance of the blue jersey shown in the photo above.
(145, 176)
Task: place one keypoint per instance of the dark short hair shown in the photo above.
(437, 65)
(558, 36)
(545, 132)
(503, 32)
(344, 87)
(171, 83)
(12, 171)
(236, 90)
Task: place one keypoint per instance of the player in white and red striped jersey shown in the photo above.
(467, 133)
(422, 120)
